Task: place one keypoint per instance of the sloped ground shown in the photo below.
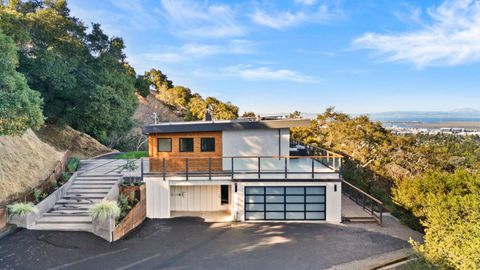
(149, 105)
(82, 145)
(24, 163)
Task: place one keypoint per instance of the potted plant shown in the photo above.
(18, 213)
(103, 216)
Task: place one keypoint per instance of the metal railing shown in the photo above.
(369, 203)
(329, 158)
(239, 167)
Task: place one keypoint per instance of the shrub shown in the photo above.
(72, 164)
(21, 209)
(104, 209)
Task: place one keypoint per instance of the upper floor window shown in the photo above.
(207, 144)
(186, 144)
(164, 145)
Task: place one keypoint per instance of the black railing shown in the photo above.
(239, 167)
(369, 203)
(328, 158)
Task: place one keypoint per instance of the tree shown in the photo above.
(159, 80)
(20, 106)
(142, 85)
(248, 115)
(448, 205)
(177, 96)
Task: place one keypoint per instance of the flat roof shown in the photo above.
(198, 126)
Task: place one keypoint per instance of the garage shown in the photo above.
(285, 203)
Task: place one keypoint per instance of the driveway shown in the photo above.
(188, 243)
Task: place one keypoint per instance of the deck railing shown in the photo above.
(241, 167)
(366, 201)
(329, 158)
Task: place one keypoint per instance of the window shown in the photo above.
(164, 145)
(224, 194)
(186, 144)
(207, 144)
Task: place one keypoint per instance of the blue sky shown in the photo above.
(279, 56)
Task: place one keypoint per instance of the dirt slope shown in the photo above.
(24, 162)
(81, 144)
(147, 106)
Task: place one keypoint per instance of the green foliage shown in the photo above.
(159, 80)
(248, 114)
(72, 164)
(221, 111)
(129, 166)
(20, 106)
(104, 209)
(448, 205)
(142, 85)
(82, 77)
(177, 96)
(132, 155)
(21, 209)
(126, 203)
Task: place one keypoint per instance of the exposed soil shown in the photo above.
(82, 145)
(149, 105)
(25, 161)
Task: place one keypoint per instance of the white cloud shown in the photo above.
(305, 2)
(451, 38)
(320, 14)
(248, 72)
(200, 19)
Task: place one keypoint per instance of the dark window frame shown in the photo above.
(158, 145)
(284, 203)
(207, 138)
(180, 144)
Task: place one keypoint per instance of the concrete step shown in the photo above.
(76, 201)
(361, 219)
(64, 219)
(67, 213)
(84, 207)
(63, 227)
(90, 196)
(91, 186)
(93, 182)
(88, 190)
(100, 175)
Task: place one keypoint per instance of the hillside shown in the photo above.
(149, 105)
(82, 145)
(24, 162)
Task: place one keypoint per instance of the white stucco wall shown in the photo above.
(333, 212)
(255, 142)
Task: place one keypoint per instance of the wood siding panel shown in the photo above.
(195, 198)
(175, 161)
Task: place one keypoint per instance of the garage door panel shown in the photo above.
(285, 203)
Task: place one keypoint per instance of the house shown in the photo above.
(242, 168)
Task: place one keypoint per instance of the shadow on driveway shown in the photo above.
(189, 243)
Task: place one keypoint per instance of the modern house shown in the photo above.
(249, 169)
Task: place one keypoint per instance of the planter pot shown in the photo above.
(104, 227)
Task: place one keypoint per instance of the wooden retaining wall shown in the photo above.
(136, 215)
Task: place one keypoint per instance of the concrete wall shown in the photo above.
(333, 200)
(255, 142)
(195, 198)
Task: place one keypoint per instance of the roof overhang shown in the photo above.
(205, 126)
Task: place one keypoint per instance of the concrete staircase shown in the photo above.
(70, 213)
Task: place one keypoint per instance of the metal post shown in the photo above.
(164, 168)
(141, 169)
(258, 167)
(313, 168)
(232, 167)
(186, 169)
(371, 210)
(209, 168)
(286, 169)
(381, 214)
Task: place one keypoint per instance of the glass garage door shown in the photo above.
(285, 203)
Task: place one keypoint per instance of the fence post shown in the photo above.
(313, 168)
(286, 169)
(164, 168)
(186, 169)
(209, 168)
(258, 167)
(141, 169)
(232, 167)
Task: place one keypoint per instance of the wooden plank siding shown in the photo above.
(175, 161)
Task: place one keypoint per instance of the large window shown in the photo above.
(207, 144)
(186, 144)
(164, 145)
(285, 203)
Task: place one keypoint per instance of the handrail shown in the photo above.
(363, 192)
(375, 207)
(238, 157)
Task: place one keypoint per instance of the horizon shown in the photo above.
(305, 55)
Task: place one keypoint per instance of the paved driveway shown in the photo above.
(187, 243)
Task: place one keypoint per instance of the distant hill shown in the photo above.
(466, 113)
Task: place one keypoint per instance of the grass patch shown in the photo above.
(132, 155)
